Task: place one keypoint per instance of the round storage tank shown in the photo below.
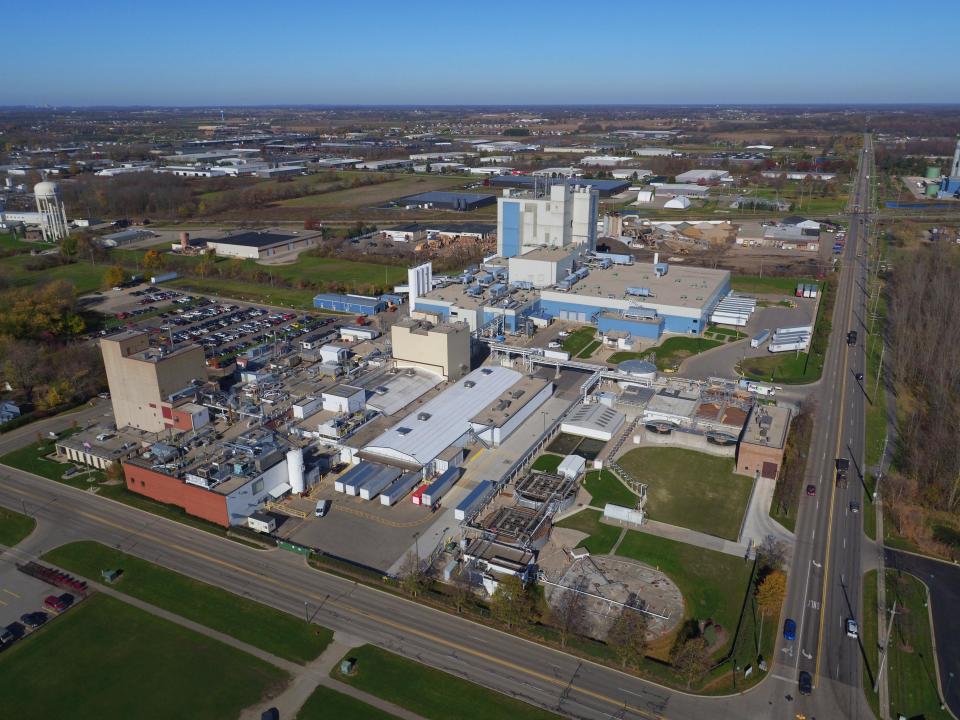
(46, 189)
(295, 470)
(933, 172)
(184, 239)
(932, 190)
(640, 369)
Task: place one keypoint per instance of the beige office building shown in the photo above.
(443, 348)
(143, 379)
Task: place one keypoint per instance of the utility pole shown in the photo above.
(885, 647)
(876, 385)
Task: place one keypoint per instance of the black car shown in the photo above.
(806, 683)
(34, 619)
(852, 337)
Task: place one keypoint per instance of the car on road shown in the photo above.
(790, 629)
(853, 630)
(859, 377)
(805, 681)
(852, 337)
(34, 620)
(811, 490)
(854, 507)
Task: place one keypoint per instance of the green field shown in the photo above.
(601, 538)
(430, 693)
(912, 675)
(789, 368)
(681, 484)
(671, 352)
(9, 241)
(324, 704)
(247, 291)
(605, 487)
(713, 584)
(767, 285)
(373, 195)
(107, 659)
(547, 463)
(259, 625)
(14, 527)
(590, 349)
(84, 276)
(30, 458)
(577, 341)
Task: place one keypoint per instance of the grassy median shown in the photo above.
(264, 627)
(14, 527)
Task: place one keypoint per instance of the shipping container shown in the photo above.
(759, 339)
(379, 483)
(477, 497)
(399, 488)
(439, 487)
(418, 495)
(163, 278)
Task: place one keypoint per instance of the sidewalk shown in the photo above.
(691, 537)
(304, 679)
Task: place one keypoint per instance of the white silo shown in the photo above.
(53, 215)
(295, 470)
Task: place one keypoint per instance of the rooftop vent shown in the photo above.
(424, 416)
(469, 384)
(404, 431)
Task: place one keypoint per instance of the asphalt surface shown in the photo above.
(824, 586)
(943, 584)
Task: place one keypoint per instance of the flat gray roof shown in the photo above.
(683, 286)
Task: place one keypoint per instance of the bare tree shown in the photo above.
(628, 637)
(569, 614)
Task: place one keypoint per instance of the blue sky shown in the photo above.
(371, 52)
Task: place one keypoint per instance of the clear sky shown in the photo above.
(217, 52)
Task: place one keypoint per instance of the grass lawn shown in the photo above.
(713, 584)
(264, 627)
(325, 703)
(247, 291)
(602, 537)
(30, 458)
(767, 285)
(547, 463)
(14, 527)
(671, 352)
(430, 693)
(912, 678)
(107, 659)
(789, 368)
(868, 509)
(349, 272)
(579, 339)
(589, 349)
(605, 487)
(681, 483)
(84, 276)
(9, 241)
(869, 639)
(876, 422)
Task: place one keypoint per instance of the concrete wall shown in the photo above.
(446, 352)
(686, 440)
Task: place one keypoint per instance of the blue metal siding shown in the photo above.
(510, 240)
(345, 303)
(634, 327)
(441, 310)
(684, 325)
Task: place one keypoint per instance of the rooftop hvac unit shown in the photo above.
(423, 416)
(469, 384)
(639, 291)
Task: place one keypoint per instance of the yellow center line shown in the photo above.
(826, 561)
(327, 601)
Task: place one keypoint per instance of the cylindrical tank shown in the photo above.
(639, 369)
(184, 239)
(46, 189)
(932, 190)
(933, 172)
(295, 470)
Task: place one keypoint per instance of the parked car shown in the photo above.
(35, 619)
(6, 637)
(323, 507)
(811, 490)
(58, 603)
(790, 629)
(805, 682)
(554, 345)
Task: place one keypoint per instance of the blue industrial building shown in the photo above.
(449, 200)
(605, 188)
(359, 304)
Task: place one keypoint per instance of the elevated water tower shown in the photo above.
(53, 215)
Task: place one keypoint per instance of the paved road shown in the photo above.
(824, 587)
(943, 583)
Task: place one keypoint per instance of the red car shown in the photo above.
(811, 490)
(58, 604)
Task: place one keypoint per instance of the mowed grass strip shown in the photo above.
(433, 694)
(547, 463)
(30, 458)
(767, 285)
(690, 489)
(264, 627)
(605, 487)
(325, 704)
(601, 537)
(14, 527)
(578, 340)
(713, 584)
(108, 659)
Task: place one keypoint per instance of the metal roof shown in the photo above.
(423, 434)
(255, 239)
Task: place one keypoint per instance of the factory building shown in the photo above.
(360, 304)
(448, 200)
(704, 176)
(458, 414)
(604, 188)
(149, 388)
(442, 348)
(478, 305)
(760, 453)
(257, 245)
(565, 215)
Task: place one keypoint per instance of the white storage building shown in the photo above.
(593, 421)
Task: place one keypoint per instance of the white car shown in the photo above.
(853, 630)
(554, 345)
(562, 333)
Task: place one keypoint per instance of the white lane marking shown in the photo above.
(781, 677)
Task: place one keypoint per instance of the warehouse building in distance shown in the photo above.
(258, 245)
(448, 200)
(604, 188)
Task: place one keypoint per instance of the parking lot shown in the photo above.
(222, 329)
(21, 594)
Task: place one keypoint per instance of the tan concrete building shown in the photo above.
(143, 379)
(443, 348)
(760, 452)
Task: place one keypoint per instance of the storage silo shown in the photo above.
(932, 190)
(933, 172)
(295, 470)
